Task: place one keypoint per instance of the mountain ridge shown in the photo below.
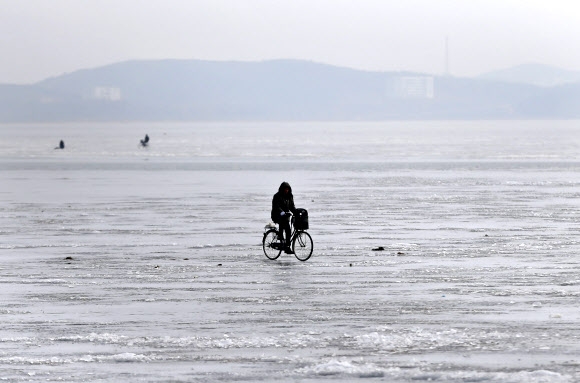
(193, 90)
(534, 74)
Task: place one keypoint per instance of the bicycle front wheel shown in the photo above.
(302, 245)
(271, 244)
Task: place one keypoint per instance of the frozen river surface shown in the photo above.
(127, 264)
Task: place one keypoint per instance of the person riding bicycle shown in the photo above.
(282, 209)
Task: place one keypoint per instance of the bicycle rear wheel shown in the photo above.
(271, 244)
(302, 245)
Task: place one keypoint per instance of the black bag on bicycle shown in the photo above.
(301, 219)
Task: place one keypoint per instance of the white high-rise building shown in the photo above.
(108, 93)
(415, 87)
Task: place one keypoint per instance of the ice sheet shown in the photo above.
(147, 265)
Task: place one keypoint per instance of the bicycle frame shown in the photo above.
(300, 241)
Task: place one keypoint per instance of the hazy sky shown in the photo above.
(43, 38)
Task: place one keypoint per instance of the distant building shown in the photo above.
(107, 93)
(415, 87)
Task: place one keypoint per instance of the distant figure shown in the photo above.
(60, 145)
(145, 141)
(282, 209)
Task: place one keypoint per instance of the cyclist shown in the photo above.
(282, 206)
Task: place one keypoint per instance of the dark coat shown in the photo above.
(282, 202)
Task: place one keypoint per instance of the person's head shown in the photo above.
(285, 188)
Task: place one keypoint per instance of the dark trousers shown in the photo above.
(284, 223)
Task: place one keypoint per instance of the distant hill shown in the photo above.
(195, 90)
(534, 74)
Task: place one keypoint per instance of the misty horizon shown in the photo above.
(466, 39)
(536, 66)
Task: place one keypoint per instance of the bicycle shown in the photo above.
(300, 240)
